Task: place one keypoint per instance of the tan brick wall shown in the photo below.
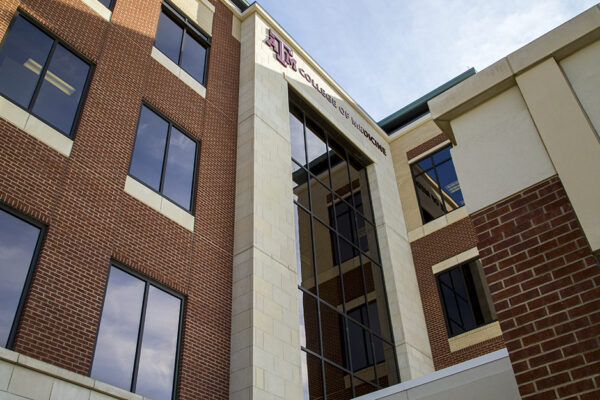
(545, 285)
(91, 219)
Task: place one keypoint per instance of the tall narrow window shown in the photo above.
(41, 75)
(164, 158)
(438, 191)
(181, 41)
(20, 241)
(139, 335)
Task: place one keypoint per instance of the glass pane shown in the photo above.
(337, 383)
(106, 3)
(317, 152)
(168, 37)
(360, 347)
(347, 252)
(344, 220)
(422, 165)
(361, 387)
(309, 322)
(312, 377)
(321, 200)
(60, 93)
(149, 148)
(304, 251)
(21, 61)
(300, 179)
(367, 238)
(18, 240)
(378, 309)
(449, 185)
(119, 327)
(339, 170)
(333, 334)
(193, 58)
(429, 196)
(159, 345)
(441, 155)
(297, 137)
(179, 172)
(462, 299)
(352, 279)
(362, 196)
(328, 272)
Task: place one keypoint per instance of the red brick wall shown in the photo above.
(545, 285)
(428, 145)
(428, 251)
(90, 218)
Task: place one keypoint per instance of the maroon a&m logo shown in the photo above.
(283, 52)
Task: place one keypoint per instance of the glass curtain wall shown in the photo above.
(345, 331)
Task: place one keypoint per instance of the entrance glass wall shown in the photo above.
(345, 331)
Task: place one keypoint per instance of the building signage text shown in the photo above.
(285, 55)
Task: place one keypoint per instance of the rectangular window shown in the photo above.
(40, 74)
(347, 226)
(364, 352)
(138, 341)
(185, 44)
(438, 191)
(20, 242)
(465, 298)
(164, 158)
(110, 4)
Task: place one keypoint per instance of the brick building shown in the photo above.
(191, 208)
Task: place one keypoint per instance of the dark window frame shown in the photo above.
(475, 303)
(188, 26)
(433, 168)
(56, 41)
(148, 281)
(30, 273)
(172, 124)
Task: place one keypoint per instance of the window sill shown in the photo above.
(454, 261)
(35, 127)
(99, 9)
(475, 336)
(159, 203)
(438, 224)
(23, 373)
(178, 72)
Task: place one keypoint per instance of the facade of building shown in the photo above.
(192, 208)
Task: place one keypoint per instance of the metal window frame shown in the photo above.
(302, 108)
(56, 41)
(32, 266)
(171, 124)
(433, 168)
(188, 26)
(148, 281)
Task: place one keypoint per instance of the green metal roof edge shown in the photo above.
(398, 115)
(242, 4)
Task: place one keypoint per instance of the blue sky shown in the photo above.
(386, 54)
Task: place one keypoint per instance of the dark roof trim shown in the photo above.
(241, 4)
(419, 107)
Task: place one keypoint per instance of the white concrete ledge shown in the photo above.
(158, 203)
(23, 377)
(178, 72)
(437, 224)
(481, 373)
(35, 127)
(98, 8)
(454, 261)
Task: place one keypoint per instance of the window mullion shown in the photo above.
(138, 349)
(181, 45)
(166, 154)
(42, 76)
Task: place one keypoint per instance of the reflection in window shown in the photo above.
(338, 269)
(19, 243)
(110, 4)
(164, 158)
(436, 183)
(182, 42)
(465, 298)
(137, 316)
(41, 75)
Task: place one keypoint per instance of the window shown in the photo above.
(361, 351)
(348, 227)
(465, 298)
(182, 42)
(438, 191)
(164, 158)
(138, 341)
(110, 4)
(20, 242)
(41, 75)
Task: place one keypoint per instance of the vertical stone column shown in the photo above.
(265, 350)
